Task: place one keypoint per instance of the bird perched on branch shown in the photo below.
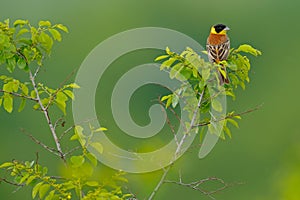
(218, 46)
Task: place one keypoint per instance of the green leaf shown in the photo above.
(167, 63)
(227, 131)
(217, 106)
(175, 100)
(24, 89)
(97, 146)
(205, 74)
(77, 161)
(248, 49)
(46, 41)
(161, 57)
(6, 164)
(165, 97)
(62, 27)
(55, 34)
(233, 122)
(169, 101)
(36, 189)
(44, 23)
(24, 178)
(20, 22)
(92, 158)
(168, 50)
(11, 64)
(22, 31)
(175, 71)
(30, 179)
(50, 195)
(74, 85)
(43, 190)
(8, 103)
(22, 105)
(21, 63)
(100, 129)
(92, 183)
(69, 93)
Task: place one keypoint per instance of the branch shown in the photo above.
(231, 116)
(11, 183)
(19, 95)
(179, 146)
(50, 149)
(46, 113)
(196, 185)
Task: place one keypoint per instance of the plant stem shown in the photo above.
(166, 171)
(46, 113)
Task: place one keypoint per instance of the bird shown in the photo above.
(218, 47)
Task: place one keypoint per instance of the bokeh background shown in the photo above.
(264, 153)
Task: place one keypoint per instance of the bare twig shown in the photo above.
(72, 150)
(231, 116)
(11, 183)
(196, 185)
(179, 146)
(50, 149)
(46, 113)
(20, 95)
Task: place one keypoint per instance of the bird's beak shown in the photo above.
(226, 28)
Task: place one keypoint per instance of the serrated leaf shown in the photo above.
(97, 146)
(43, 190)
(175, 100)
(167, 63)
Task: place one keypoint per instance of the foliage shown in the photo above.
(27, 46)
(193, 70)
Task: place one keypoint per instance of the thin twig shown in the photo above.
(179, 146)
(231, 116)
(72, 150)
(50, 149)
(46, 113)
(11, 183)
(196, 185)
(20, 95)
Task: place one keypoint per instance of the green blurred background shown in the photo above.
(264, 153)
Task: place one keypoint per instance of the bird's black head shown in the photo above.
(220, 27)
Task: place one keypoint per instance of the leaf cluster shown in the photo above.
(192, 69)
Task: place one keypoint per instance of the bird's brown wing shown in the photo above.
(217, 53)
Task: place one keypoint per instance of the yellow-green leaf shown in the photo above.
(97, 146)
